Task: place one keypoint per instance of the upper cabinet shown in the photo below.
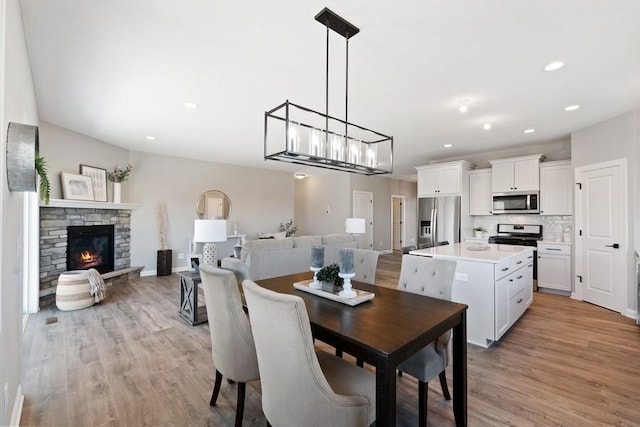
(556, 188)
(515, 174)
(480, 192)
(443, 178)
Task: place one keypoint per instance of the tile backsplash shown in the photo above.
(552, 226)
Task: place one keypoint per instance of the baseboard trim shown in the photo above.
(16, 413)
(145, 273)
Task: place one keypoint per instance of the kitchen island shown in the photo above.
(495, 281)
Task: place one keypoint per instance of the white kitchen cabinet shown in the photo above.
(502, 307)
(480, 192)
(556, 188)
(491, 282)
(554, 266)
(442, 179)
(515, 174)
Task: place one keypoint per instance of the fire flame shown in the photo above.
(86, 256)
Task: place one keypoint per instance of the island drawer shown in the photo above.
(521, 260)
(551, 248)
(502, 268)
(517, 282)
(517, 306)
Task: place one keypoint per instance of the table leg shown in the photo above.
(385, 396)
(460, 371)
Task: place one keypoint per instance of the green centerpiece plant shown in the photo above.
(329, 274)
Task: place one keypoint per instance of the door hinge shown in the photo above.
(579, 184)
(579, 278)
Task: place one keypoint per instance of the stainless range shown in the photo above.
(522, 235)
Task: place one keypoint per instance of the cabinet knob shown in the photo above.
(519, 277)
(519, 300)
(505, 269)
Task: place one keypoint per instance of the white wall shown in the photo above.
(18, 105)
(260, 200)
(334, 191)
(613, 139)
(314, 195)
(64, 150)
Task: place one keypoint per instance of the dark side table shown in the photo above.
(189, 309)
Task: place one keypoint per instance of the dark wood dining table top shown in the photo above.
(393, 325)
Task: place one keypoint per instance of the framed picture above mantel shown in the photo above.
(98, 181)
(76, 187)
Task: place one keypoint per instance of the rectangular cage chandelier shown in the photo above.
(296, 134)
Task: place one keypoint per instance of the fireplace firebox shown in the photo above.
(90, 246)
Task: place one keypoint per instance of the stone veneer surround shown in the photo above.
(53, 241)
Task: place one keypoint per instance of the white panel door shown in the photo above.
(602, 219)
(525, 175)
(502, 177)
(363, 208)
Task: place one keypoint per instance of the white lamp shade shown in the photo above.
(355, 225)
(210, 230)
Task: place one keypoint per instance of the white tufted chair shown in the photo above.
(365, 263)
(433, 278)
(302, 387)
(233, 350)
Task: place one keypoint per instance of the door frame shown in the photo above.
(403, 219)
(578, 286)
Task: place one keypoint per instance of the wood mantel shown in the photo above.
(86, 204)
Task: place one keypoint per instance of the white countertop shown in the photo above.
(461, 251)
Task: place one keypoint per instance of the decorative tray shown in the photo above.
(478, 247)
(331, 292)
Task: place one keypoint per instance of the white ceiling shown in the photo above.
(120, 70)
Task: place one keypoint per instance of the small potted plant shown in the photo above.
(329, 275)
(289, 228)
(478, 231)
(118, 176)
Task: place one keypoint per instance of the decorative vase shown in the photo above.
(164, 262)
(478, 233)
(117, 192)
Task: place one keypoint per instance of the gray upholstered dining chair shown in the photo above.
(233, 350)
(365, 263)
(433, 278)
(302, 386)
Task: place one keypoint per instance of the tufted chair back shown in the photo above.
(428, 276)
(433, 278)
(365, 264)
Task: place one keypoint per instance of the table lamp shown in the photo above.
(355, 226)
(209, 231)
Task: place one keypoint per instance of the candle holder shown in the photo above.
(347, 291)
(315, 284)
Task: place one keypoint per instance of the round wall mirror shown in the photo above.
(213, 204)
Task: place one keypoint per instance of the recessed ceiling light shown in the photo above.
(529, 130)
(463, 105)
(300, 176)
(191, 105)
(486, 126)
(448, 145)
(553, 66)
(150, 138)
(571, 107)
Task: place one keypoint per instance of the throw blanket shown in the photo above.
(98, 288)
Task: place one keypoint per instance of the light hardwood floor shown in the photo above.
(131, 361)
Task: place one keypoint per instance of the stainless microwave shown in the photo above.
(517, 202)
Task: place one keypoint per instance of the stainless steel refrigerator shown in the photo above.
(438, 220)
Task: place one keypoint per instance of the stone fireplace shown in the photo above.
(55, 223)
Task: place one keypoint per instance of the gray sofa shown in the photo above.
(266, 258)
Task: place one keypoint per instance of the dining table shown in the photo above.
(384, 332)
